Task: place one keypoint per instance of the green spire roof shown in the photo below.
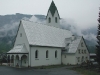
(53, 8)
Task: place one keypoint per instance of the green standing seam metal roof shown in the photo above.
(52, 9)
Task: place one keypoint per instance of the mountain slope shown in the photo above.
(9, 25)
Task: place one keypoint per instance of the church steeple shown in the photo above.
(53, 8)
(53, 18)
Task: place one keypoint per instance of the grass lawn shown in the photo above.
(84, 71)
(48, 67)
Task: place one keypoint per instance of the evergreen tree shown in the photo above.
(98, 41)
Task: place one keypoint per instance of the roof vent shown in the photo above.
(73, 37)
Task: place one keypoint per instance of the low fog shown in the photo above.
(71, 25)
(66, 23)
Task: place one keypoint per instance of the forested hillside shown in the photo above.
(9, 25)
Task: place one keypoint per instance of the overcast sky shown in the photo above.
(83, 12)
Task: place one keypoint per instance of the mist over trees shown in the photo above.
(9, 25)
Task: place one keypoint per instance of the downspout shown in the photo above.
(30, 56)
(29, 63)
(61, 57)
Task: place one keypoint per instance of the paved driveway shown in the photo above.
(5, 70)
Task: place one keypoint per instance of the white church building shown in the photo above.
(41, 45)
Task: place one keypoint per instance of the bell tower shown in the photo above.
(53, 18)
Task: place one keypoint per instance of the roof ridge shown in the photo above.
(44, 24)
(34, 22)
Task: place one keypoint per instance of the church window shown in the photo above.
(55, 54)
(36, 54)
(20, 34)
(49, 19)
(47, 54)
(56, 19)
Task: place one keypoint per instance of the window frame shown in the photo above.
(36, 54)
(49, 20)
(56, 19)
(47, 54)
(56, 54)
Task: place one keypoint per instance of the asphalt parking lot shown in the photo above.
(6, 70)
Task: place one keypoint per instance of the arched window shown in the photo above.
(56, 19)
(47, 54)
(55, 54)
(49, 19)
(36, 54)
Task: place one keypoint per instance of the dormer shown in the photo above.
(53, 18)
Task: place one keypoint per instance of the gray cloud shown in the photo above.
(83, 12)
(66, 23)
(9, 28)
(71, 25)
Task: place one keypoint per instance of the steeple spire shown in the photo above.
(53, 8)
(53, 18)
